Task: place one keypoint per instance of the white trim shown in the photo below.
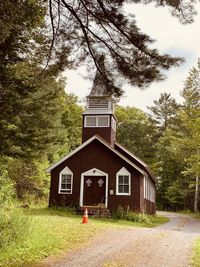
(65, 171)
(123, 171)
(105, 144)
(132, 155)
(139, 160)
(149, 189)
(93, 172)
(97, 121)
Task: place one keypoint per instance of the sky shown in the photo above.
(170, 37)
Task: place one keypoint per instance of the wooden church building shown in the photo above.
(101, 172)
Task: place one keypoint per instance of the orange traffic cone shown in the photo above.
(85, 217)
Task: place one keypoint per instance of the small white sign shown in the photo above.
(111, 192)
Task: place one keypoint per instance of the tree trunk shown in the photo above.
(196, 193)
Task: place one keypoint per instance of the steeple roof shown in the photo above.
(99, 87)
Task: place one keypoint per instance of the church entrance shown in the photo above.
(94, 191)
(94, 188)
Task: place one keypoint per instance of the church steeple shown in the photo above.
(98, 117)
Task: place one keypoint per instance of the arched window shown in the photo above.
(65, 181)
(123, 182)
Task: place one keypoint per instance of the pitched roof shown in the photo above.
(96, 137)
(99, 87)
(146, 167)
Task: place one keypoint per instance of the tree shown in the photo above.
(89, 29)
(191, 125)
(164, 111)
(136, 132)
(31, 100)
(178, 151)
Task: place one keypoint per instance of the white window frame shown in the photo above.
(149, 189)
(65, 171)
(97, 121)
(123, 172)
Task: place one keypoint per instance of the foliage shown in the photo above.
(178, 150)
(164, 111)
(56, 230)
(136, 132)
(13, 224)
(92, 30)
(123, 214)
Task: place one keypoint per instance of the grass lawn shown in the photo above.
(55, 231)
(196, 250)
(196, 256)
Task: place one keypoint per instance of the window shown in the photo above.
(65, 181)
(103, 121)
(123, 182)
(96, 121)
(91, 121)
(149, 189)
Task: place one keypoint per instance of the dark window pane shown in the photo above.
(120, 179)
(68, 186)
(126, 189)
(126, 180)
(68, 179)
(64, 178)
(121, 187)
(63, 186)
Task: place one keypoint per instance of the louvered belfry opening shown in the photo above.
(96, 103)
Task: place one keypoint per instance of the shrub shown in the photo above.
(13, 224)
(123, 214)
(137, 217)
(119, 214)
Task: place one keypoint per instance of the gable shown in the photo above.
(106, 145)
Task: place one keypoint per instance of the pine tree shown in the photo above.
(164, 111)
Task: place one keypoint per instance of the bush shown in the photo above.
(138, 217)
(13, 224)
(123, 214)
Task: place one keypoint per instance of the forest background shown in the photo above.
(40, 122)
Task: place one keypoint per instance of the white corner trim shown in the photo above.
(123, 171)
(92, 173)
(66, 171)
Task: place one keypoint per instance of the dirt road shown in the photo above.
(168, 245)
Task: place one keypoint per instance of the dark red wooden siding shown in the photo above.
(107, 133)
(96, 155)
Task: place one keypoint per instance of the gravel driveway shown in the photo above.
(168, 245)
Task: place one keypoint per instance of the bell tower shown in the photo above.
(98, 117)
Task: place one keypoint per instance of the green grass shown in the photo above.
(56, 231)
(196, 254)
(196, 249)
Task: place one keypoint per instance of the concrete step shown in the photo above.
(97, 212)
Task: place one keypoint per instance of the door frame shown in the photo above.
(93, 172)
